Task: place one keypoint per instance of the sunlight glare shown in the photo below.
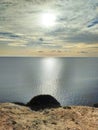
(48, 19)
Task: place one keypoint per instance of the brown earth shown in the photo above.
(15, 117)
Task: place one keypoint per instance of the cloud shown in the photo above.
(39, 1)
(84, 52)
(16, 44)
(20, 24)
(9, 35)
(51, 46)
(84, 37)
(41, 39)
(93, 23)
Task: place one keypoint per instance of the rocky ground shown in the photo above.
(16, 117)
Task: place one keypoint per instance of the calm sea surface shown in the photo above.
(72, 81)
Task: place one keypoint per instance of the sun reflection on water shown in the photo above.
(51, 72)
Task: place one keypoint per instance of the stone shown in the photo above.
(96, 105)
(42, 102)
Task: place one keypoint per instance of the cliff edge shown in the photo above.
(16, 117)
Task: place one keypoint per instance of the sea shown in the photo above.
(72, 81)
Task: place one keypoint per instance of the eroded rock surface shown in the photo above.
(16, 117)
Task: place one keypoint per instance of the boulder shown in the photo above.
(42, 102)
(96, 105)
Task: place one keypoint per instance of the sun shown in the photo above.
(48, 19)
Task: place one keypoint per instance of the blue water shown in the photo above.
(72, 81)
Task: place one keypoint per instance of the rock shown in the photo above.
(67, 107)
(17, 117)
(43, 101)
(96, 105)
(19, 103)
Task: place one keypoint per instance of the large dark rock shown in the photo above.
(43, 101)
(95, 105)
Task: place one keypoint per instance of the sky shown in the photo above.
(66, 28)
